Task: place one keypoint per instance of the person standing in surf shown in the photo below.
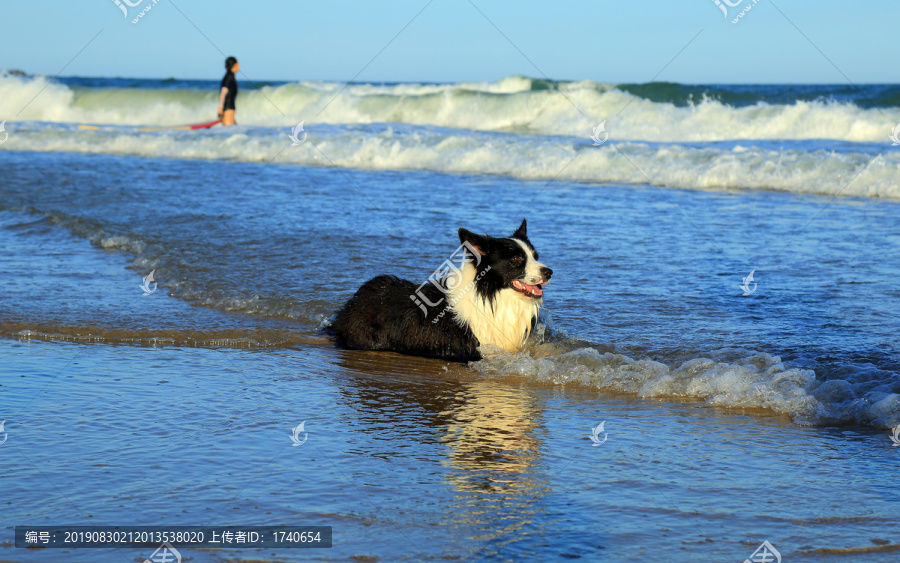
(228, 91)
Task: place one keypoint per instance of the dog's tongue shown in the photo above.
(529, 289)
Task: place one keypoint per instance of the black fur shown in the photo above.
(381, 316)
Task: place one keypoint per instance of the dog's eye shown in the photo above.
(517, 260)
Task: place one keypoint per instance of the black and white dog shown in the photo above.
(489, 292)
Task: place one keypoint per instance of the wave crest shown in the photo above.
(852, 171)
(651, 112)
(756, 380)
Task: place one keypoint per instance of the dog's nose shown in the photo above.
(546, 273)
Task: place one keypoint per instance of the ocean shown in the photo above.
(723, 301)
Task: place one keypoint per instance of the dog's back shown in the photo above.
(381, 316)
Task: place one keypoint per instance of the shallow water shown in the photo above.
(410, 462)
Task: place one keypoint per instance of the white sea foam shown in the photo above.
(511, 104)
(507, 127)
(755, 381)
(852, 172)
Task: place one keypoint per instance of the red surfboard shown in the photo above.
(182, 127)
(205, 125)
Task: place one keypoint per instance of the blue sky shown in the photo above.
(601, 40)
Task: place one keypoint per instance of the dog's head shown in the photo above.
(507, 263)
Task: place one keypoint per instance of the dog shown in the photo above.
(490, 292)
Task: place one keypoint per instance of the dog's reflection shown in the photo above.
(482, 439)
(489, 430)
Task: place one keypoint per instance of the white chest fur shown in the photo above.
(506, 324)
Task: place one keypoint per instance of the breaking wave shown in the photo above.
(658, 112)
(853, 170)
(728, 379)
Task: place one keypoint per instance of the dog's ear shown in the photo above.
(522, 232)
(478, 242)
